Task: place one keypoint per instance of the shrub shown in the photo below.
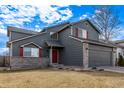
(121, 61)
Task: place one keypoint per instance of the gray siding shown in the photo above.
(100, 56)
(72, 53)
(92, 33)
(39, 40)
(18, 35)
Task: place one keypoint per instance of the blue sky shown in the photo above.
(37, 17)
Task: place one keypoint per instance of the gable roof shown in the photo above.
(54, 43)
(57, 29)
(89, 21)
(85, 20)
(27, 37)
(92, 42)
(19, 30)
(42, 32)
(29, 44)
(118, 41)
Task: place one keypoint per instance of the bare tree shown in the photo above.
(107, 20)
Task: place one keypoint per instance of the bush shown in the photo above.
(121, 61)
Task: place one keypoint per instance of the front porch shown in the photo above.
(54, 47)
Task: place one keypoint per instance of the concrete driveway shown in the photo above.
(113, 69)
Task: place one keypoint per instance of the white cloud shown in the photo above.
(18, 14)
(37, 28)
(68, 14)
(50, 14)
(4, 51)
(3, 31)
(17, 17)
(84, 16)
(98, 11)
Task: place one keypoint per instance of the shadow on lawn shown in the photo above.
(105, 74)
(92, 73)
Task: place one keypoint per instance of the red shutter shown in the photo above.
(21, 51)
(40, 52)
(76, 33)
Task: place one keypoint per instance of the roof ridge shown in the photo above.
(20, 28)
(26, 37)
(55, 25)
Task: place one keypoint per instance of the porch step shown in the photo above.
(71, 68)
(56, 65)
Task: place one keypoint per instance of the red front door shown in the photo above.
(54, 55)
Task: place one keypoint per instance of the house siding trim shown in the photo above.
(114, 57)
(31, 43)
(92, 42)
(27, 37)
(85, 55)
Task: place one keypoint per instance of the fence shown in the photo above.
(23, 62)
(4, 61)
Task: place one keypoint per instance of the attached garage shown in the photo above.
(100, 55)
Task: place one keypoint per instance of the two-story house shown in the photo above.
(71, 44)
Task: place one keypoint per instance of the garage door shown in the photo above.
(100, 56)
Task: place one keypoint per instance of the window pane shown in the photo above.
(34, 52)
(80, 33)
(27, 52)
(84, 34)
(27, 49)
(54, 36)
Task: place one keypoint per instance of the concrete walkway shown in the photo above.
(4, 68)
(113, 69)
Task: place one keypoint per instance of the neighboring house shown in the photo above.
(120, 47)
(71, 44)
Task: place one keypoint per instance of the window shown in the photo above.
(81, 33)
(84, 33)
(54, 36)
(31, 52)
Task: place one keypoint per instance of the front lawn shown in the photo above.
(60, 78)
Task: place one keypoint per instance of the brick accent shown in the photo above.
(28, 62)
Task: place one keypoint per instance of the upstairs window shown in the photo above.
(81, 33)
(54, 36)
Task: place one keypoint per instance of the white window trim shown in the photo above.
(29, 56)
(30, 43)
(82, 32)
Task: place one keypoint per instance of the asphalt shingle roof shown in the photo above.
(54, 43)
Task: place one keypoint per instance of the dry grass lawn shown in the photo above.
(60, 78)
